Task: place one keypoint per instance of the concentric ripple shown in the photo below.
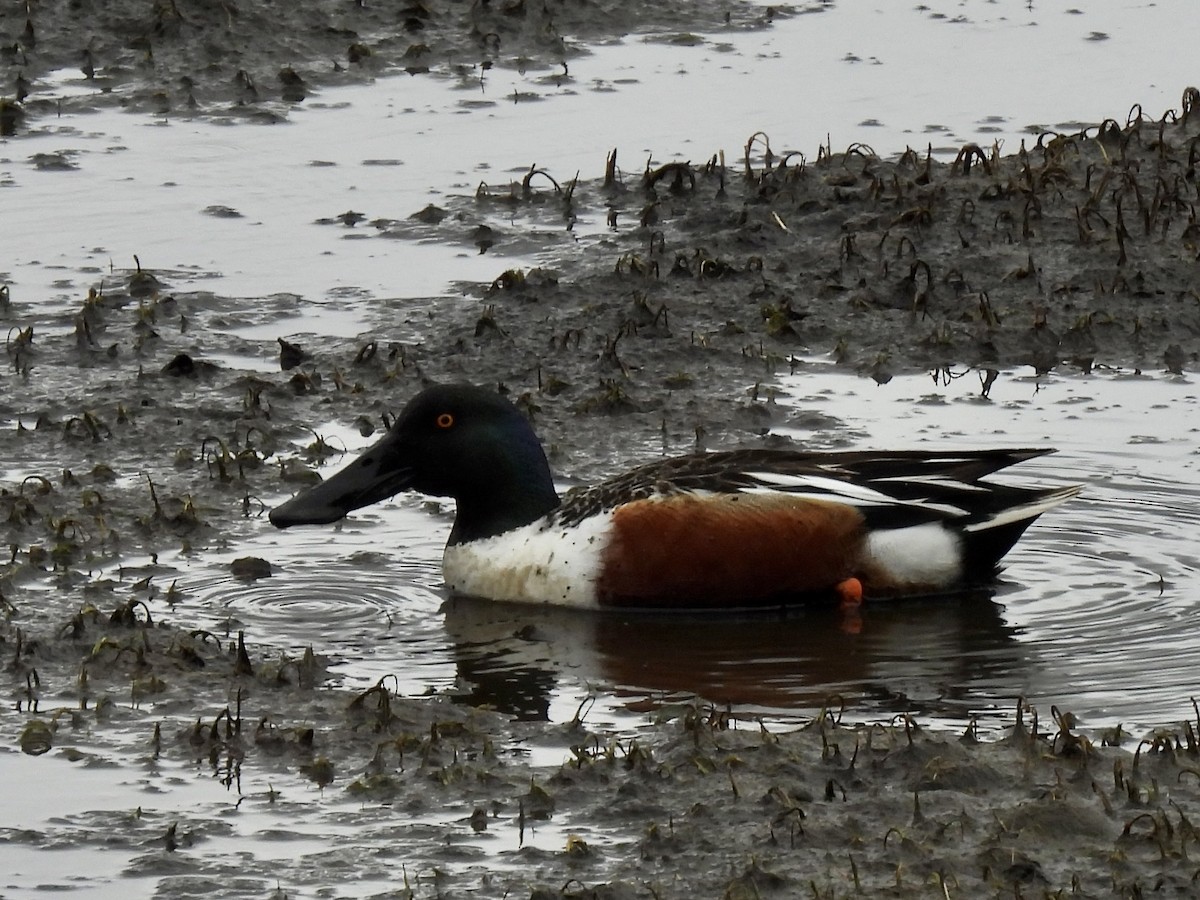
(365, 595)
(1096, 613)
(1098, 600)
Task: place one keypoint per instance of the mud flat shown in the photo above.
(134, 445)
(229, 58)
(435, 801)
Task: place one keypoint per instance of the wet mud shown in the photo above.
(697, 802)
(126, 434)
(253, 60)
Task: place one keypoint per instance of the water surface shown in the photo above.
(1096, 612)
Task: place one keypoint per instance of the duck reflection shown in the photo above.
(936, 655)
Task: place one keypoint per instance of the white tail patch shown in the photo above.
(1025, 510)
(929, 555)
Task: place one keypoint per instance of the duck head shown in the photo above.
(457, 441)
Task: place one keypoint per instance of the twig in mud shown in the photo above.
(610, 169)
(758, 137)
(527, 191)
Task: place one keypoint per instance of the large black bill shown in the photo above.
(376, 475)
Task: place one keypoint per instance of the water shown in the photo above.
(941, 74)
(1100, 589)
(97, 829)
(1096, 612)
(1097, 592)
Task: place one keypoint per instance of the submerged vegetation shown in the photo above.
(134, 449)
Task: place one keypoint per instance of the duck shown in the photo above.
(737, 529)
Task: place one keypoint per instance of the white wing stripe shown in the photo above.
(820, 484)
(815, 487)
(938, 481)
(1025, 510)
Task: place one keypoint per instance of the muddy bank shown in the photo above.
(135, 446)
(696, 803)
(1076, 252)
(254, 59)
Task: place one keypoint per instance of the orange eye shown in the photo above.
(445, 420)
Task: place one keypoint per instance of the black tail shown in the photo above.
(987, 541)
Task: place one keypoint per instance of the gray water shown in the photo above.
(1096, 613)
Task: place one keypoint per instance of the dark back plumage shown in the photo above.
(894, 489)
(932, 485)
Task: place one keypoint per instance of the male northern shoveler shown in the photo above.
(734, 529)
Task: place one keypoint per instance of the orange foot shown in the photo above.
(850, 593)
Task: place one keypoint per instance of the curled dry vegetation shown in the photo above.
(231, 57)
(122, 441)
(1079, 250)
(700, 804)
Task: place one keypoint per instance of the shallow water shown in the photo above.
(95, 828)
(233, 208)
(1096, 612)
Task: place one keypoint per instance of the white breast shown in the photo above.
(531, 564)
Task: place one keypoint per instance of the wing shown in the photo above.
(890, 489)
